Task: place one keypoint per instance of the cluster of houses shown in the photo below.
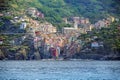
(35, 13)
(80, 24)
(104, 23)
(83, 25)
(49, 41)
(37, 28)
(58, 42)
(19, 19)
(46, 28)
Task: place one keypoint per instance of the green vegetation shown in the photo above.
(6, 18)
(5, 5)
(110, 36)
(1, 24)
(55, 10)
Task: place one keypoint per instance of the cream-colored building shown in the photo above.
(32, 11)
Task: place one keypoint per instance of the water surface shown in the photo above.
(59, 70)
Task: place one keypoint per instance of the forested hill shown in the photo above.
(55, 10)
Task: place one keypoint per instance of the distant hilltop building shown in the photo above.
(104, 23)
(76, 20)
(65, 20)
(80, 20)
(69, 30)
(80, 25)
(35, 13)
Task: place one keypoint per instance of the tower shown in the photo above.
(75, 25)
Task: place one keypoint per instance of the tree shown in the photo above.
(5, 5)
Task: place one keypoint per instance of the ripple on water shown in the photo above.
(59, 70)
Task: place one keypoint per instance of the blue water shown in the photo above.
(59, 70)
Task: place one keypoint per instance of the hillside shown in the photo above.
(28, 22)
(55, 10)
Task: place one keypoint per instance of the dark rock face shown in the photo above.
(88, 56)
(97, 54)
(112, 58)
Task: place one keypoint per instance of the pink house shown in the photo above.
(39, 14)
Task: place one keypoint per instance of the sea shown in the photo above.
(60, 70)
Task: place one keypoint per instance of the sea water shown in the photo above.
(59, 70)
